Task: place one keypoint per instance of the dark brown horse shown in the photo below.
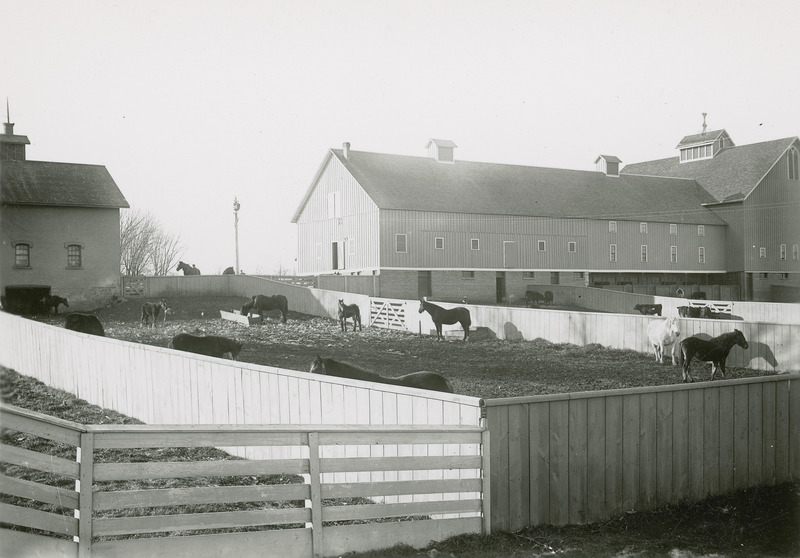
(187, 269)
(420, 380)
(263, 303)
(349, 311)
(713, 350)
(442, 316)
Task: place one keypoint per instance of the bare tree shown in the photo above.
(144, 245)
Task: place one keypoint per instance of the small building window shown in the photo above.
(612, 252)
(794, 171)
(74, 255)
(673, 254)
(643, 228)
(795, 251)
(541, 246)
(701, 255)
(644, 253)
(468, 275)
(400, 244)
(701, 230)
(762, 252)
(438, 243)
(612, 226)
(474, 244)
(783, 251)
(528, 274)
(673, 228)
(572, 247)
(22, 255)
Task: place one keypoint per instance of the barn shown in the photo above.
(437, 226)
(60, 228)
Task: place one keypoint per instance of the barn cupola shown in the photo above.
(441, 150)
(607, 164)
(12, 147)
(704, 145)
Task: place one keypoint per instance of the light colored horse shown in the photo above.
(662, 334)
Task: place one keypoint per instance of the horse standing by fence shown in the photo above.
(442, 316)
(53, 301)
(187, 269)
(420, 380)
(263, 303)
(713, 350)
(662, 334)
(152, 310)
(349, 311)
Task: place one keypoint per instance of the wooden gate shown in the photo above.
(133, 285)
(390, 314)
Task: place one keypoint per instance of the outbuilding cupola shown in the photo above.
(441, 150)
(704, 145)
(607, 164)
(12, 147)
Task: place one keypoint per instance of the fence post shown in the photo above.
(316, 494)
(86, 480)
(486, 454)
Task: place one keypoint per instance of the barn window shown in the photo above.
(673, 254)
(612, 252)
(701, 230)
(572, 247)
(762, 252)
(22, 255)
(794, 171)
(673, 228)
(468, 275)
(475, 244)
(400, 243)
(795, 251)
(783, 251)
(612, 226)
(438, 243)
(701, 255)
(74, 258)
(643, 228)
(644, 253)
(541, 246)
(529, 275)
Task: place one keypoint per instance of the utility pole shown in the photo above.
(236, 207)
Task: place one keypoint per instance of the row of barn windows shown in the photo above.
(673, 228)
(673, 253)
(22, 255)
(762, 252)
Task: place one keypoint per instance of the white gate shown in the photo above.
(390, 314)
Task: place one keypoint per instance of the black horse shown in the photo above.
(442, 316)
(53, 301)
(349, 311)
(714, 350)
(263, 303)
(187, 269)
(420, 380)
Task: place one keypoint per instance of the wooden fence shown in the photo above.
(584, 457)
(284, 505)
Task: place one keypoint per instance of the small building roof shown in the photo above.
(609, 158)
(701, 139)
(440, 143)
(58, 184)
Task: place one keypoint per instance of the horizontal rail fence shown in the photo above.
(163, 506)
(586, 457)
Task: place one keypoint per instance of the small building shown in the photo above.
(59, 227)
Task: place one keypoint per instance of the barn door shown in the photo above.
(334, 255)
(424, 286)
(510, 254)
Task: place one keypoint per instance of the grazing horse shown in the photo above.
(229, 271)
(263, 303)
(349, 311)
(84, 323)
(441, 316)
(662, 334)
(714, 350)
(648, 309)
(209, 345)
(53, 301)
(420, 380)
(533, 298)
(187, 269)
(152, 310)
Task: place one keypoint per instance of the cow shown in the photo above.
(53, 301)
(534, 298)
(84, 323)
(209, 345)
(648, 309)
(690, 311)
(548, 298)
(152, 310)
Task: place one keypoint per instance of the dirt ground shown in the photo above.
(489, 368)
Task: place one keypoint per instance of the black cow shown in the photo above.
(548, 298)
(648, 309)
(209, 345)
(53, 301)
(691, 311)
(533, 298)
(85, 323)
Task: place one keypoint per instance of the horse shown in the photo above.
(209, 345)
(151, 312)
(663, 333)
(714, 350)
(229, 271)
(349, 311)
(548, 298)
(84, 323)
(442, 316)
(421, 380)
(187, 269)
(534, 298)
(648, 309)
(263, 303)
(53, 301)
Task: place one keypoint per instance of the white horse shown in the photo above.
(663, 333)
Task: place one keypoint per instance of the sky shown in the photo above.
(190, 103)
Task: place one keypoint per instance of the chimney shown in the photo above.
(441, 150)
(607, 164)
(9, 128)
(346, 150)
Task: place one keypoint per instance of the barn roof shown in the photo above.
(702, 138)
(728, 176)
(423, 184)
(58, 184)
